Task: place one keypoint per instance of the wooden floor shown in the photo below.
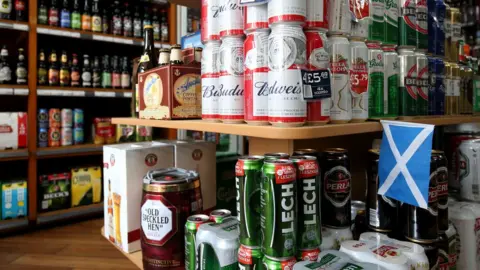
(71, 247)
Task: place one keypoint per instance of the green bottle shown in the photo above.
(76, 16)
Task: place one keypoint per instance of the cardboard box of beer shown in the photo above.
(14, 199)
(13, 130)
(86, 186)
(125, 166)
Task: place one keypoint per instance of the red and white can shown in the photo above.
(339, 17)
(210, 80)
(231, 19)
(317, 14)
(286, 56)
(66, 136)
(287, 11)
(210, 20)
(318, 112)
(256, 77)
(359, 79)
(256, 17)
(231, 100)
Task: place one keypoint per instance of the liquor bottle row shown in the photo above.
(6, 74)
(100, 17)
(111, 72)
(14, 10)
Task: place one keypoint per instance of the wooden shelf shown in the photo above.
(58, 91)
(13, 90)
(13, 224)
(135, 257)
(69, 151)
(69, 213)
(86, 35)
(9, 155)
(269, 132)
(14, 25)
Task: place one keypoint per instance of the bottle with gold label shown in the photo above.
(96, 18)
(164, 58)
(64, 70)
(42, 69)
(53, 69)
(148, 60)
(75, 72)
(176, 55)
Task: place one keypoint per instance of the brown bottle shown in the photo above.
(75, 73)
(64, 70)
(148, 59)
(53, 69)
(42, 69)
(176, 55)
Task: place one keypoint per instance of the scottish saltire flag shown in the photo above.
(404, 165)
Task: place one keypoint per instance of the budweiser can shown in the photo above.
(318, 112)
(339, 17)
(361, 20)
(231, 19)
(256, 17)
(286, 55)
(287, 11)
(256, 77)
(210, 80)
(231, 100)
(339, 50)
(422, 83)
(359, 80)
(210, 20)
(376, 78)
(317, 14)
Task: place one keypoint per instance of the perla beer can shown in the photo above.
(287, 11)
(376, 31)
(317, 14)
(279, 209)
(231, 100)
(407, 25)
(376, 78)
(422, 24)
(191, 228)
(210, 20)
(359, 80)
(361, 20)
(390, 85)
(249, 258)
(339, 51)
(231, 21)
(339, 17)
(408, 82)
(441, 173)
(468, 170)
(422, 83)
(256, 17)
(210, 81)
(256, 77)
(391, 22)
(286, 55)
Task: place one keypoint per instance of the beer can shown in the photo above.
(248, 178)
(191, 228)
(439, 34)
(361, 18)
(390, 84)
(468, 170)
(408, 82)
(448, 32)
(317, 14)
(466, 88)
(210, 81)
(67, 118)
(249, 258)
(339, 17)
(256, 77)
(441, 173)
(340, 55)
(432, 77)
(339, 235)
(280, 11)
(78, 135)
(77, 118)
(42, 118)
(279, 209)
(54, 137)
(66, 136)
(54, 118)
(391, 22)
(308, 217)
(318, 112)
(455, 18)
(231, 100)
(231, 21)
(336, 188)
(376, 31)
(422, 83)
(210, 20)
(42, 137)
(439, 71)
(407, 25)
(272, 263)
(421, 24)
(452, 92)
(219, 215)
(359, 79)
(308, 254)
(256, 17)
(275, 156)
(376, 80)
(307, 152)
(286, 49)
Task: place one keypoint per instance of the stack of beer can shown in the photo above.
(60, 127)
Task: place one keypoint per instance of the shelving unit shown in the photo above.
(13, 224)
(70, 213)
(69, 151)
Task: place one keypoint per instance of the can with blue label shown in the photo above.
(432, 25)
(78, 118)
(42, 118)
(78, 136)
(43, 137)
(439, 70)
(432, 79)
(439, 34)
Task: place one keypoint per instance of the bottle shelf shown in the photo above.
(65, 214)
(10, 155)
(83, 92)
(70, 151)
(135, 257)
(13, 224)
(13, 90)
(14, 25)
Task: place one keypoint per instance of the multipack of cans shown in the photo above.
(60, 127)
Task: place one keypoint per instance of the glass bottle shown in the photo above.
(76, 16)
(86, 72)
(21, 71)
(146, 18)
(156, 25)
(65, 15)
(86, 18)
(105, 22)
(5, 71)
(116, 73)
(116, 20)
(53, 69)
(127, 22)
(75, 73)
(64, 70)
(137, 23)
(42, 13)
(96, 73)
(106, 73)
(125, 79)
(6, 9)
(148, 59)
(176, 55)
(96, 18)
(20, 10)
(53, 14)
(42, 69)
(165, 36)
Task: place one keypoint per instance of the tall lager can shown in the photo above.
(408, 82)
(439, 34)
(448, 88)
(390, 85)
(317, 14)
(448, 32)
(441, 173)
(210, 20)
(422, 24)
(376, 31)
(270, 263)
(457, 37)
(339, 17)
(278, 217)
(361, 19)
(468, 170)
(391, 22)
(231, 18)
(280, 11)
(432, 25)
(308, 187)
(275, 156)
(248, 177)
(439, 70)
(376, 80)
(256, 18)
(456, 81)
(191, 228)
(210, 81)
(359, 79)
(249, 258)
(407, 24)
(422, 83)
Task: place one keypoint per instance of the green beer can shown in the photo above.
(250, 258)
(248, 176)
(422, 83)
(376, 29)
(278, 218)
(219, 215)
(191, 227)
(390, 92)
(270, 263)
(407, 24)
(275, 156)
(391, 22)
(422, 24)
(375, 80)
(407, 82)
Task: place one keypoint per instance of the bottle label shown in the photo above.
(106, 79)
(6, 7)
(156, 31)
(117, 25)
(42, 76)
(19, 5)
(64, 76)
(52, 76)
(97, 80)
(127, 25)
(137, 28)
(76, 21)
(53, 17)
(21, 73)
(87, 79)
(86, 22)
(125, 80)
(65, 19)
(42, 16)
(5, 74)
(165, 36)
(116, 79)
(75, 78)
(97, 24)
(144, 58)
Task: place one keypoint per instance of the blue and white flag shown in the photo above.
(404, 165)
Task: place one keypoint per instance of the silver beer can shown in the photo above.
(469, 171)
(67, 117)
(231, 19)
(317, 14)
(256, 17)
(66, 136)
(359, 79)
(340, 17)
(210, 81)
(210, 20)
(280, 11)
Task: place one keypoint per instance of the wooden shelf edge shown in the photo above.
(19, 154)
(74, 150)
(14, 25)
(69, 213)
(135, 257)
(14, 90)
(13, 224)
(83, 92)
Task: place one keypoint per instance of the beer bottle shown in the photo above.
(75, 73)
(105, 22)
(176, 55)
(86, 18)
(86, 72)
(53, 14)
(42, 13)
(116, 20)
(116, 84)
(127, 22)
(65, 15)
(42, 69)
(137, 23)
(96, 18)
(156, 25)
(76, 16)
(64, 70)
(53, 69)
(106, 73)
(125, 80)
(164, 27)
(5, 9)
(96, 73)
(20, 12)
(21, 71)
(146, 18)
(5, 71)
(164, 58)
(148, 59)
(198, 56)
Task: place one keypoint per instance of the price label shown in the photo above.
(127, 94)
(316, 84)
(20, 92)
(6, 91)
(104, 94)
(78, 93)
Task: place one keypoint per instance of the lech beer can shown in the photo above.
(256, 77)
(287, 11)
(279, 209)
(376, 79)
(256, 17)
(468, 170)
(231, 21)
(359, 79)
(42, 137)
(270, 263)
(308, 254)
(442, 189)
(210, 20)
(248, 177)
(231, 100)
(407, 25)
(422, 83)
(286, 55)
(210, 81)
(249, 258)
(191, 228)
(308, 216)
(339, 50)
(391, 22)
(317, 14)
(275, 156)
(361, 20)
(42, 118)
(390, 90)
(422, 24)
(408, 84)
(339, 17)
(376, 31)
